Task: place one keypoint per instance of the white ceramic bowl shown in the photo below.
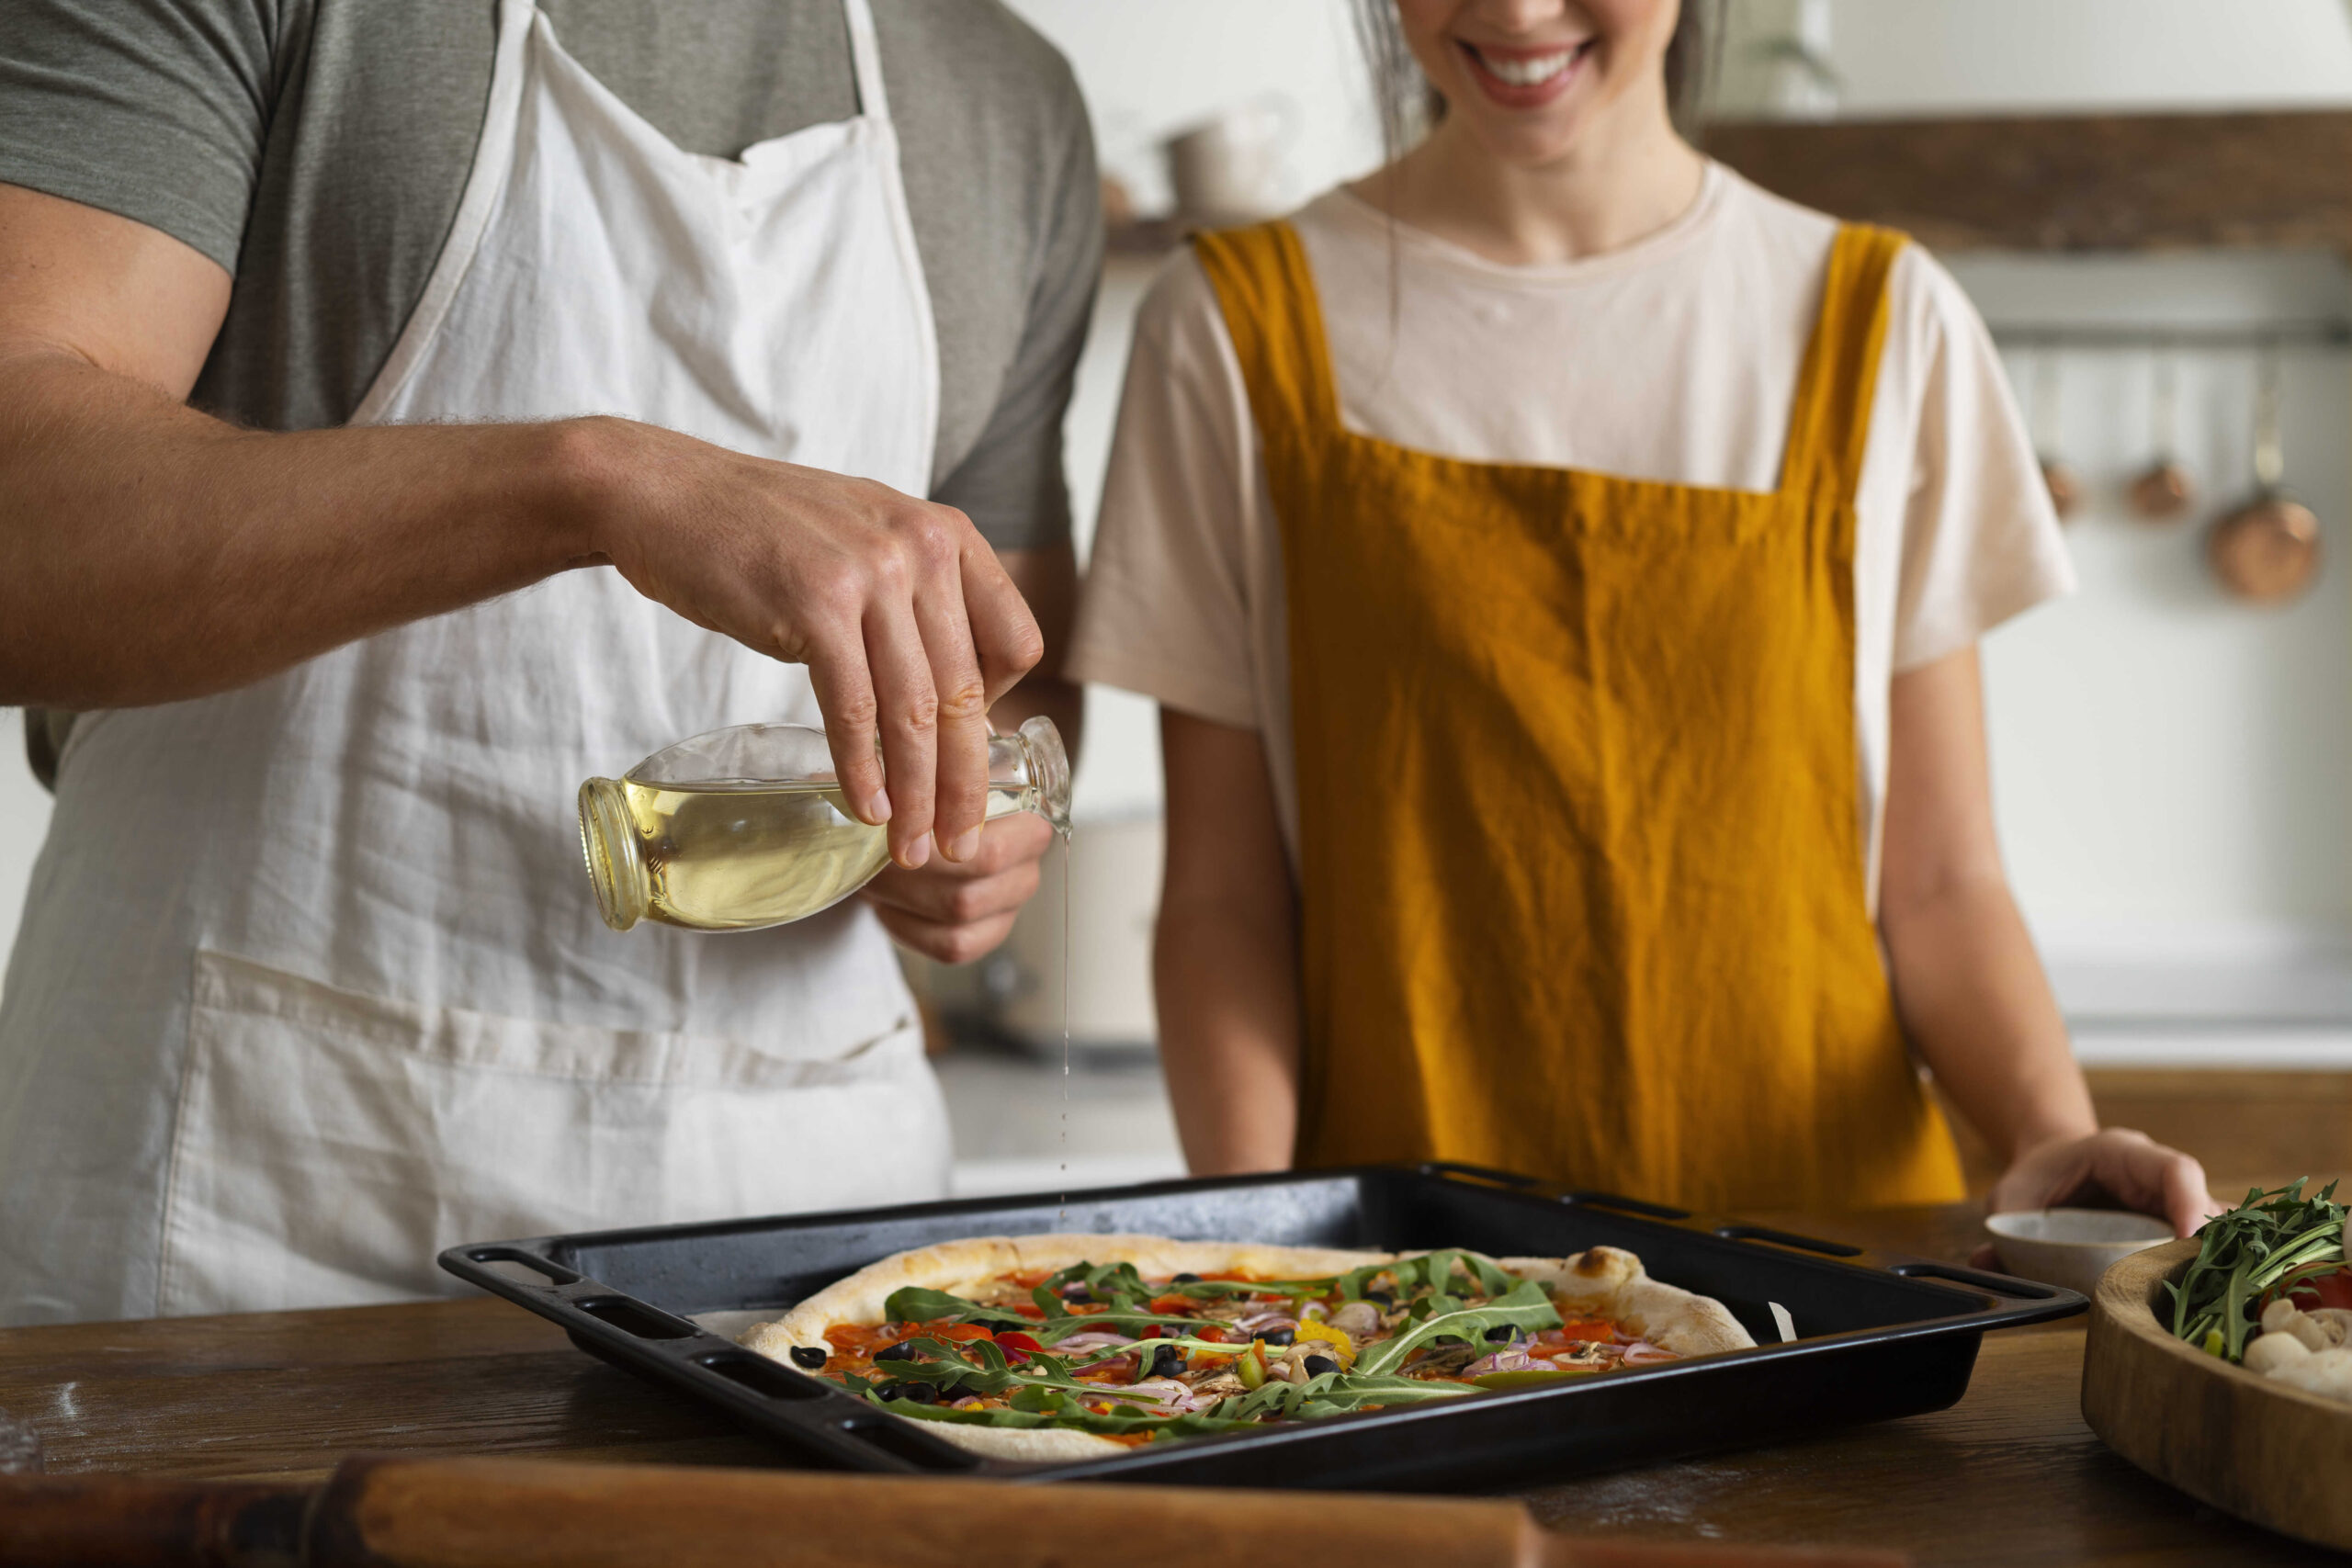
(2071, 1246)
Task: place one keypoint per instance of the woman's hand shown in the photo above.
(2112, 1166)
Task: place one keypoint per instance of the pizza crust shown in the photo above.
(1605, 1281)
(1610, 1283)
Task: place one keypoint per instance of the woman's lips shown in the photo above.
(1524, 78)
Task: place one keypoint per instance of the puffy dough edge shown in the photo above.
(958, 1267)
(1610, 1282)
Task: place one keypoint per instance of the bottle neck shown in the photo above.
(1033, 762)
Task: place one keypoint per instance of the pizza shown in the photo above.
(1075, 1346)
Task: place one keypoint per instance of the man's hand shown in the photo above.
(221, 556)
(956, 913)
(908, 625)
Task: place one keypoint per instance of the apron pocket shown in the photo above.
(328, 1145)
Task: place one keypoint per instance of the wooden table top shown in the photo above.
(2008, 1476)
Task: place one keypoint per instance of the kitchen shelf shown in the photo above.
(2271, 181)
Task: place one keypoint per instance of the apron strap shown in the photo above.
(865, 58)
(1830, 421)
(1272, 313)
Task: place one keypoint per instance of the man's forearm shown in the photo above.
(150, 553)
(1228, 997)
(1978, 1008)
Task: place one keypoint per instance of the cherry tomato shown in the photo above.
(957, 1333)
(1017, 1345)
(2326, 1291)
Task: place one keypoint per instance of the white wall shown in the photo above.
(1937, 57)
(2174, 769)
(1150, 68)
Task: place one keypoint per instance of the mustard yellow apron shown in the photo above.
(1581, 854)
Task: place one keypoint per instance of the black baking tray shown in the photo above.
(1880, 1335)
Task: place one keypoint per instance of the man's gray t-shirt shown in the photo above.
(317, 148)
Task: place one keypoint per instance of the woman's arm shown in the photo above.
(1969, 984)
(1226, 960)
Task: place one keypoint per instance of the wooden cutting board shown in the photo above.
(394, 1512)
(2262, 1450)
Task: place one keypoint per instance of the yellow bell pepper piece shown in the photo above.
(1343, 1349)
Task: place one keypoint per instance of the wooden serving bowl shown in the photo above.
(2262, 1450)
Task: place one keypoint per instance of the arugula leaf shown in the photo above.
(1493, 1279)
(913, 1303)
(2271, 1241)
(1331, 1393)
(1523, 1306)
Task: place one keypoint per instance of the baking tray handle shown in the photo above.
(1476, 1173)
(2011, 1291)
(824, 1422)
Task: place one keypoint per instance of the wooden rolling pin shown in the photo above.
(391, 1513)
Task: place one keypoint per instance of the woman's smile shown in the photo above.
(1524, 78)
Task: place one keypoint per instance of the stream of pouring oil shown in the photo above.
(1063, 834)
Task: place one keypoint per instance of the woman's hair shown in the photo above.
(1408, 104)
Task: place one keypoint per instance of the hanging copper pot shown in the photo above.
(2162, 492)
(2065, 489)
(2165, 489)
(2267, 551)
(2057, 476)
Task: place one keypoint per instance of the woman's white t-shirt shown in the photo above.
(1675, 360)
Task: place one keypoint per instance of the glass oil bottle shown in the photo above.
(746, 827)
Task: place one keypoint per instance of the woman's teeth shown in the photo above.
(1527, 71)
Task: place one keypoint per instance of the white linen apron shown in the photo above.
(311, 983)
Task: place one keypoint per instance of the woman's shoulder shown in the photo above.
(1178, 324)
(1927, 308)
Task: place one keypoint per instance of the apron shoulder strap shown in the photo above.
(1267, 294)
(1830, 424)
(865, 59)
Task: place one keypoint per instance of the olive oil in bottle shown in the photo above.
(746, 827)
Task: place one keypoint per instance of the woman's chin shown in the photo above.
(1526, 141)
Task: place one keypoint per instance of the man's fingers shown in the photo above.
(932, 894)
(910, 725)
(1009, 840)
(946, 944)
(845, 695)
(960, 804)
(1004, 634)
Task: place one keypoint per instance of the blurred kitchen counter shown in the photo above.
(1021, 1124)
